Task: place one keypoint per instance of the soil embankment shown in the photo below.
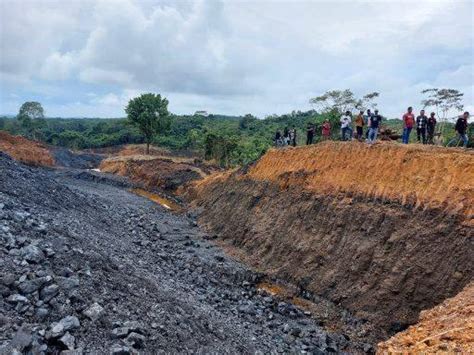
(156, 171)
(385, 231)
(39, 154)
(448, 327)
(24, 150)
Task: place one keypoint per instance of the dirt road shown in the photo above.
(91, 267)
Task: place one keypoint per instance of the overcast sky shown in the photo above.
(88, 58)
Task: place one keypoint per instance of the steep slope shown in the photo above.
(25, 150)
(448, 327)
(384, 230)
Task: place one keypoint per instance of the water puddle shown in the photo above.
(166, 203)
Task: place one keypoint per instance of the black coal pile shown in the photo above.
(67, 158)
(92, 268)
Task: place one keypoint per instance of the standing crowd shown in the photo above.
(425, 128)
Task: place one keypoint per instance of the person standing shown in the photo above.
(461, 129)
(286, 136)
(293, 136)
(408, 123)
(431, 127)
(309, 134)
(326, 130)
(375, 120)
(421, 122)
(359, 122)
(277, 138)
(367, 122)
(346, 126)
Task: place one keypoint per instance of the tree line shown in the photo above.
(229, 140)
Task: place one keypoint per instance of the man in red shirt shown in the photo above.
(408, 123)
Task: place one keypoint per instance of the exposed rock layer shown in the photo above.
(363, 226)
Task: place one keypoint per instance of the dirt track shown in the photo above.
(129, 275)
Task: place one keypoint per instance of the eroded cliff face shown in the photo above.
(386, 230)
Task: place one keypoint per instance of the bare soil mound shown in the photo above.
(448, 327)
(385, 230)
(157, 172)
(27, 151)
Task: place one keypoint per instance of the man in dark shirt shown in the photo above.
(431, 127)
(421, 122)
(461, 129)
(374, 123)
(309, 134)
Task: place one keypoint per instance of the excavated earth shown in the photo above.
(161, 172)
(88, 267)
(25, 150)
(447, 328)
(384, 231)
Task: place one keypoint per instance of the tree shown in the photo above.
(443, 101)
(219, 147)
(31, 118)
(30, 111)
(246, 121)
(149, 112)
(367, 101)
(340, 101)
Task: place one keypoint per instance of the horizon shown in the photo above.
(86, 59)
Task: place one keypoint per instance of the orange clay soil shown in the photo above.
(24, 150)
(447, 328)
(417, 175)
(384, 231)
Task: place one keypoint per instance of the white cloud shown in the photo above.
(234, 57)
(103, 76)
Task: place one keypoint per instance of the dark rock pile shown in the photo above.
(92, 268)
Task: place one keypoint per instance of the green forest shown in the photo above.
(230, 140)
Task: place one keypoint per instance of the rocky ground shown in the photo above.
(87, 267)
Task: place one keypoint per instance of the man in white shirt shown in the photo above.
(346, 126)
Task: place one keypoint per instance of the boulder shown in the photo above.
(32, 254)
(94, 312)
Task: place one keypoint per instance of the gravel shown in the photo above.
(88, 267)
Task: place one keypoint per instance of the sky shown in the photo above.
(88, 58)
